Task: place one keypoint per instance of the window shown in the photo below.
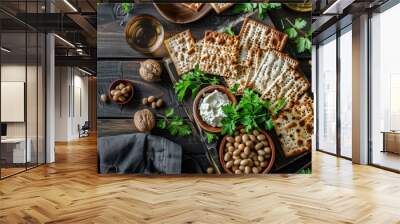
(346, 72)
(385, 89)
(326, 101)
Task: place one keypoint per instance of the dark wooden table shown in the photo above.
(116, 60)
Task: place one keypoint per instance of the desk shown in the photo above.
(391, 141)
(15, 148)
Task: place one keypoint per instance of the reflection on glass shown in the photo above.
(15, 149)
(22, 92)
(346, 94)
(327, 96)
(385, 84)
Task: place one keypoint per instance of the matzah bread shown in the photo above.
(182, 49)
(220, 7)
(219, 54)
(290, 85)
(257, 35)
(193, 6)
(195, 60)
(272, 65)
(294, 127)
(250, 62)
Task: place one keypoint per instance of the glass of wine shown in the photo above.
(145, 34)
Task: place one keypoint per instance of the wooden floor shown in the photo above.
(70, 191)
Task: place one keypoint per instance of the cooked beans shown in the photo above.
(247, 153)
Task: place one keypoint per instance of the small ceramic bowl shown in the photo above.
(271, 160)
(196, 105)
(115, 84)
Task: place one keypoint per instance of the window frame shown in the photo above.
(337, 34)
(381, 9)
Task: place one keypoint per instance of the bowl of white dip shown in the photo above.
(207, 107)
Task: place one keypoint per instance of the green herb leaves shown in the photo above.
(174, 124)
(127, 7)
(193, 81)
(262, 8)
(229, 31)
(299, 23)
(252, 112)
(305, 171)
(234, 88)
(301, 38)
(211, 137)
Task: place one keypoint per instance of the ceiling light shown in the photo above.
(64, 40)
(5, 50)
(84, 71)
(70, 5)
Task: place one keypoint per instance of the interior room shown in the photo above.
(335, 64)
(59, 60)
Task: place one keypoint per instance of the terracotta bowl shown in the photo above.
(126, 83)
(271, 160)
(177, 13)
(196, 104)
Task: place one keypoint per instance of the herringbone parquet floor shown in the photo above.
(70, 191)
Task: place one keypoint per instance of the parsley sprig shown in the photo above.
(193, 81)
(252, 112)
(298, 35)
(229, 31)
(127, 7)
(262, 8)
(176, 125)
(211, 137)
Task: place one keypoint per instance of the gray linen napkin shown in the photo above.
(139, 153)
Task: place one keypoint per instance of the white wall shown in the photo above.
(68, 115)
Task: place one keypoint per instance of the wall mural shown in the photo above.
(204, 88)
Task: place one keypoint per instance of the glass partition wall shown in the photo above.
(385, 90)
(326, 102)
(22, 98)
(334, 94)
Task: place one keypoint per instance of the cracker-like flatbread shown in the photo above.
(290, 85)
(182, 49)
(251, 59)
(294, 127)
(254, 34)
(193, 6)
(219, 54)
(220, 7)
(196, 59)
(272, 65)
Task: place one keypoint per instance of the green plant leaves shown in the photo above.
(211, 137)
(193, 81)
(176, 126)
(252, 112)
(262, 8)
(234, 88)
(229, 31)
(299, 23)
(169, 112)
(301, 38)
(291, 32)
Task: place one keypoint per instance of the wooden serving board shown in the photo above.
(116, 60)
(281, 162)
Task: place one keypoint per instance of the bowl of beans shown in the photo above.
(247, 152)
(121, 91)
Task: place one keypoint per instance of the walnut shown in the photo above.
(150, 70)
(144, 120)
